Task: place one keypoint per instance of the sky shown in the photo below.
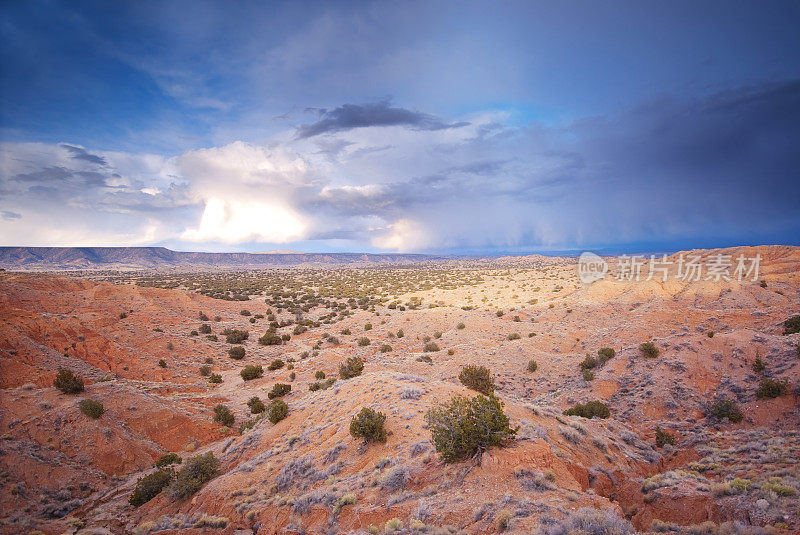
(449, 127)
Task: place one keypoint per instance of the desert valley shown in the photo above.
(233, 400)
(393, 268)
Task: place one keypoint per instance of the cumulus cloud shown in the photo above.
(231, 221)
(248, 193)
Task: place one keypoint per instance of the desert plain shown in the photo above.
(702, 389)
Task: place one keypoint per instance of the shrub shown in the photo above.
(393, 524)
(162, 363)
(604, 354)
(270, 338)
(400, 333)
(298, 329)
(465, 427)
(532, 366)
(235, 336)
(368, 424)
(247, 425)
(91, 408)
(252, 372)
(590, 409)
(460, 326)
(168, 459)
(276, 364)
(368, 327)
(347, 499)
(664, 437)
(477, 378)
(588, 375)
(149, 486)
(759, 365)
(68, 382)
(431, 347)
(203, 317)
(319, 375)
(587, 521)
(385, 348)
(256, 405)
(223, 415)
(791, 325)
(770, 388)
(648, 350)
(779, 488)
(277, 410)
(205, 371)
(725, 408)
(195, 472)
(345, 332)
(535, 481)
(205, 329)
(588, 363)
(279, 390)
(502, 520)
(236, 352)
(322, 386)
(215, 379)
(244, 312)
(514, 336)
(363, 341)
(351, 368)
(209, 360)
(740, 484)
(424, 358)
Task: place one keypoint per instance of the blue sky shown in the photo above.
(414, 126)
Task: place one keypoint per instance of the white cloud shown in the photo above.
(403, 235)
(232, 221)
(248, 193)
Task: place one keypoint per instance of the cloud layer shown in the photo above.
(373, 176)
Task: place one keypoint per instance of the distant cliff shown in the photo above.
(66, 258)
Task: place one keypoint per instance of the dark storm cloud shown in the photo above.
(92, 178)
(725, 165)
(358, 153)
(738, 145)
(349, 116)
(64, 176)
(48, 174)
(486, 167)
(81, 154)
